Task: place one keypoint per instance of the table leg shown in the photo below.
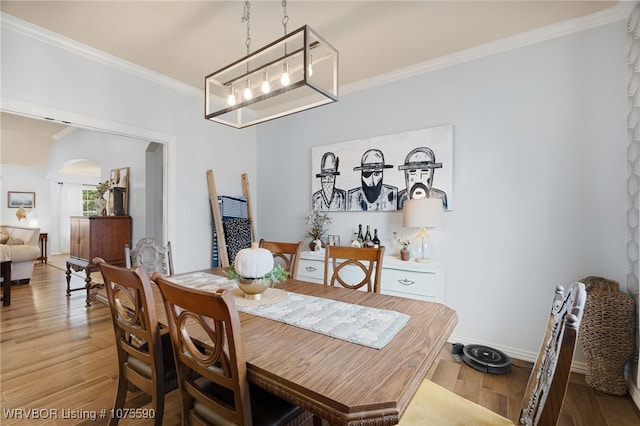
(5, 272)
(87, 285)
(68, 279)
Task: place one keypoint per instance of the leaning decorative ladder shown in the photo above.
(220, 244)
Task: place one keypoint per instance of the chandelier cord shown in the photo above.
(285, 17)
(246, 17)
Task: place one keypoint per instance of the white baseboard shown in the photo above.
(577, 366)
(634, 391)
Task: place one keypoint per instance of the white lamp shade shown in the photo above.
(423, 213)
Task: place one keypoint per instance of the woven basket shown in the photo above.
(606, 334)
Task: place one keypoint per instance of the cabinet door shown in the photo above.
(79, 238)
(73, 238)
(411, 284)
(84, 236)
(311, 270)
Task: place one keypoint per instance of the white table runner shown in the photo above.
(363, 325)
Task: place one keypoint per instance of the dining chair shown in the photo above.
(212, 372)
(545, 391)
(151, 255)
(145, 355)
(349, 264)
(286, 253)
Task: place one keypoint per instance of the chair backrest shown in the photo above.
(149, 254)
(549, 377)
(135, 323)
(219, 358)
(340, 258)
(287, 253)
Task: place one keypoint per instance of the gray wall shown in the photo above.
(539, 158)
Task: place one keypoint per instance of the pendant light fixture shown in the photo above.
(294, 73)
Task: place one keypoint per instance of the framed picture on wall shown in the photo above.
(333, 240)
(380, 173)
(25, 200)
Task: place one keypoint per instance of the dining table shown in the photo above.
(342, 382)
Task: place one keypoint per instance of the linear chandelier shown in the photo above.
(294, 73)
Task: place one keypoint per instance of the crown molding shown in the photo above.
(620, 11)
(54, 39)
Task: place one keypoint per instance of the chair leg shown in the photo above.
(317, 421)
(121, 396)
(159, 405)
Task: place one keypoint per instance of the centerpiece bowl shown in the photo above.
(255, 262)
(253, 289)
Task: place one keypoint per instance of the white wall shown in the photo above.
(539, 160)
(78, 83)
(111, 152)
(24, 179)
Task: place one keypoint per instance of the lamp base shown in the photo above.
(423, 259)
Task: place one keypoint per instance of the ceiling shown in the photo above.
(187, 40)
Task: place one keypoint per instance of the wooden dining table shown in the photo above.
(342, 382)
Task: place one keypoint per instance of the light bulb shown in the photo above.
(310, 65)
(266, 88)
(285, 75)
(231, 99)
(247, 90)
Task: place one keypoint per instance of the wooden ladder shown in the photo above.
(223, 255)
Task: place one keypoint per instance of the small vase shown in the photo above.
(404, 254)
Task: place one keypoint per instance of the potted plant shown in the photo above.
(404, 252)
(317, 226)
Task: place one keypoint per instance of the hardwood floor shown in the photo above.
(56, 354)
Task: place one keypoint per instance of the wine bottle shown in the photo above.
(367, 238)
(360, 237)
(376, 240)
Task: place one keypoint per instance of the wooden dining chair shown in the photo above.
(145, 355)
(151, 255)
(286, 253)
(545, 390)
(212, 372)
(349, 264)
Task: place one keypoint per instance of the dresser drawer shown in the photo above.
(418, 285)
(413, 280)
(311, 270)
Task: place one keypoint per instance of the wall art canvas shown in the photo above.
(382, 172)
(26, 200)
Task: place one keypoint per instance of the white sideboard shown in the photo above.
(411, 279)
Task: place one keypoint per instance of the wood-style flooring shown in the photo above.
(56, 354)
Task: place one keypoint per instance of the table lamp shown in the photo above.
(423, 213)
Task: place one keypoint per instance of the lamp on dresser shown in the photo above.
(422, 213)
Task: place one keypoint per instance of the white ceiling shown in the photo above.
(187, 40)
